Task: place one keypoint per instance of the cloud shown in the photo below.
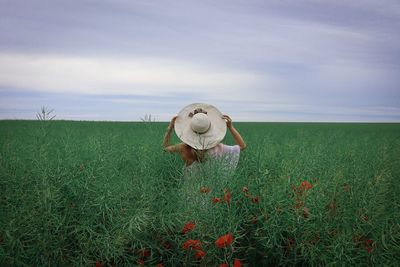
(127, 76)
(260, 60)
(133, 107)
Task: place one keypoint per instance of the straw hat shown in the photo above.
(200, 125)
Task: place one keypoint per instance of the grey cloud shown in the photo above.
(335, 53)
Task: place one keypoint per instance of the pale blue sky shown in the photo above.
(308, 60)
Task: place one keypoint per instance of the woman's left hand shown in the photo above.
(228, 120)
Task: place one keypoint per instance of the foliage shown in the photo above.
(148, 118)
(45, 114)
(106, 194)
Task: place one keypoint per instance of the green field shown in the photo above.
(105, 193)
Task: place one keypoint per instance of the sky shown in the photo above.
(255, 60)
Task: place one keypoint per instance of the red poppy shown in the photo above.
(188, 227)
(236, 263)
(346, 188)
(369, 242)
(358, 239)
(140, 262)
(99, 264)
(199, 254)
(306, 212)
(224, 241)
(254, 220)
(299, 190)
(298, 204)
(315, 238)
(204, 189)
(192, 243)
(369, 245)
(255, 199)
(216, 200)
(290, 243)
(332, 207)
(364, 217)
(167, 245)
(144, 252)
(227, 196)
(306, 185)
(224, 265)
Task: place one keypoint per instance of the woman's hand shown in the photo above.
(228, 121)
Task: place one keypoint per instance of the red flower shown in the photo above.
(306, 185)
(332, 207)
(369, 242)
(99, 264)
(364, 217)
(306, 212)
(369, 245)
(216, 200)
(144, 252)
(199, 254)
(290, 243)
(167, 245)
(224, 265)
(188, 227)
(298, 190)
(299, 204)
(346, 188)
(140, 262)
(224, 241)
(236, 263)
(255, 199)
(160, 265)
(227, 196)
(254, 220)
(204, 189)
(192, 243)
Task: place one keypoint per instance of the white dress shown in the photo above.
(215, 173)
(222, 157)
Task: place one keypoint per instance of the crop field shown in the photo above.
(106, 194)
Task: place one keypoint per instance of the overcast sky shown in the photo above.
(308, 60)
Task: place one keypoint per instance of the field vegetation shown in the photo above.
(106, 194)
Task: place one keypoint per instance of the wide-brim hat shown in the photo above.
(200, 125)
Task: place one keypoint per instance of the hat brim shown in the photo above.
(207, 140)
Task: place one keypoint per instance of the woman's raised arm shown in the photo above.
(236, 136)
(167, 137)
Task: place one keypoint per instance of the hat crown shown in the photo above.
(200, 123)
(200, 126)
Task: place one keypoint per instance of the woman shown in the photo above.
(201, 128)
